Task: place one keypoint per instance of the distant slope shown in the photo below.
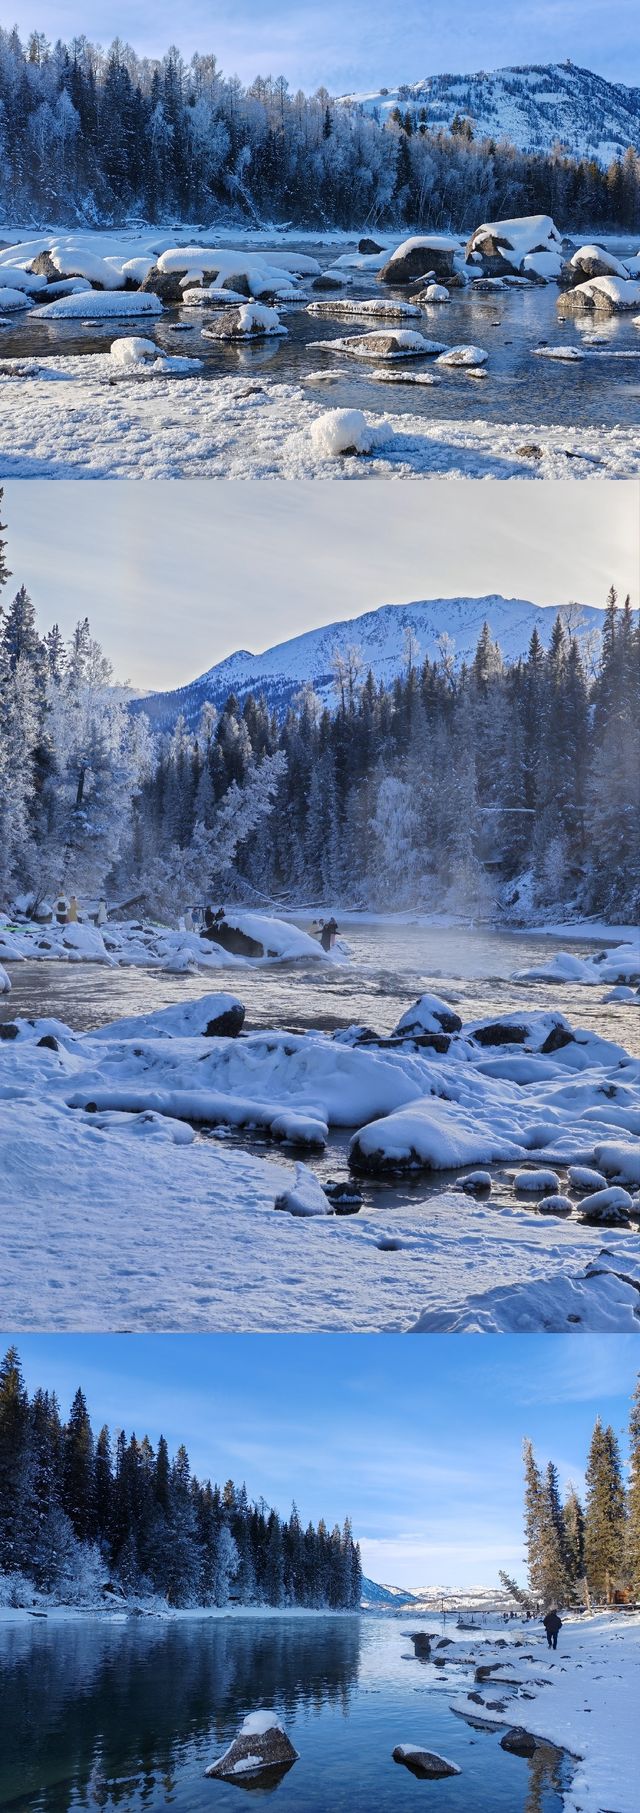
(471, 1599)
(380, 637)
(534, 107)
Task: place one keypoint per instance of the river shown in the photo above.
(386, 966)
(509, 324)
(128, 1712)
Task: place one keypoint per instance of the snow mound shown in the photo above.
(429, 1014)
(76, 261)
(435, 292)
(601, 1302)
(620, 1160)
(136, 354)
(544, 265)
(11, 300)
(5, 983)
(17, 279)
(517, 239)
(342, 431)
(97, 305)
(430, 1135)
(397, 343)
(305, 1197)
(463, 355)
(535, 1183)
(583, 1178)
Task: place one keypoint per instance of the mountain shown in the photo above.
(534, 106)
(379, 636)
(470, 1599)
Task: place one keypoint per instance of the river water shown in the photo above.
(510, 324)
(382, 971)
(127, 1713)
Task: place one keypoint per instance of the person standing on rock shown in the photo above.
(552, 1624)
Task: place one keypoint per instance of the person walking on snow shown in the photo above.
(552, 1624)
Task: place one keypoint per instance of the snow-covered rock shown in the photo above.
(427, 254)
(250, 321)
(538, 1183)
(345, 431)
(429, 1135)
(396, 343)
(15, 278)
(428, 1014)
(609, 295)
(608, 1208)
(620, 1159)
(543, 266)
(131, 354)
(305, 1197)
(209, 1017)
(261, 1745)
(583, 1178)
(380, 309)
(77, 261)
(426, 1764)
(5, 982)
(98, 305)
(556, 1204)
(12, 300)
(476, 1183)
(463, 355)
(435, 292)
(504, 244)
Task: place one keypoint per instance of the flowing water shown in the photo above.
(129, 1712)
(383, 969)
(519, 387)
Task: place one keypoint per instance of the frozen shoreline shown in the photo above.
(583, 1699)
(118, 1612)
(70, 416)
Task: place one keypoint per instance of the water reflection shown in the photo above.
(128, 1714)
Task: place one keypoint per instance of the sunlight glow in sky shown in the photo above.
(419, 1440)
(360, 46)
(174, 577)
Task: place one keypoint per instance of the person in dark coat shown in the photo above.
(552, 1624)
(328, 934)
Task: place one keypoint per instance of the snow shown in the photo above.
(17, 279)
(305, 1197)
(265, 273)
(379, 309)
(518, 238)
(133, 353)
(252, 318)
(547, 265)
(95, 305)
(396, 343)
(12, 299)
(435, 292)
(5, 982)
(537, 1182)
(257, 1723)
(428, 1014)
(611, 293)
(583, 1178)
(341, 431)
(68, 421)
(583, 1699)
(144, 945)
(463, 355)
(613, 265)
(74, 260)
(621, 1160)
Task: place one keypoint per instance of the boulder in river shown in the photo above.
(368, 248)
(261, 1745)
(430, 255)
(424, 1763)
(165, 284)
(518, 1742)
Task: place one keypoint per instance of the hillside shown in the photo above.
(381, 639)
(534, 107)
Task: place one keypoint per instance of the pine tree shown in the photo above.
(605, 1515)
(633, 1536)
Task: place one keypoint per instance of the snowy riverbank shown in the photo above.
(583, 1699)
(80, 417)
(136, 1194)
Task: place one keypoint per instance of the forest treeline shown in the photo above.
(102, 137)
(82, 1516)
(487, 787)
(587, 1554)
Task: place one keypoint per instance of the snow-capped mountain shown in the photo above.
(380, 637)
(534, 107)
(376, 1597)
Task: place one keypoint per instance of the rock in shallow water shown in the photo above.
(424, 1763)
(262, 1744)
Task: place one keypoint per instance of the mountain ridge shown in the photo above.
(279, 672)
(533, 106)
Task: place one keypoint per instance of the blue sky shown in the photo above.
(418, 1439)
(250, 565)
(362, 45)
